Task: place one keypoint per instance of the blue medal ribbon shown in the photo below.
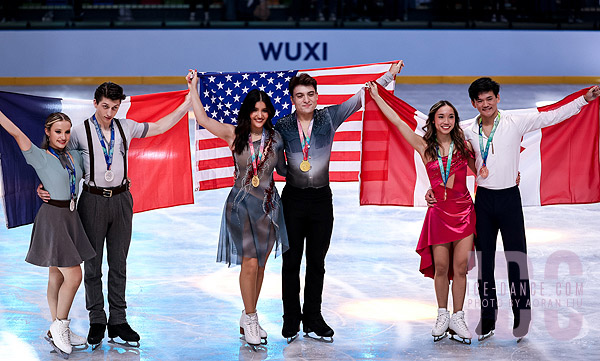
(70, 169)
(445, 173)
(108, 153)
(484, 152)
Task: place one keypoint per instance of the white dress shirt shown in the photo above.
(503, 155)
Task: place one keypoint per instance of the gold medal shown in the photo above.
(484, 172)
(305, 166)
(255, 181)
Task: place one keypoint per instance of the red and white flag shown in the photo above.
(222, 94)
(558, 164)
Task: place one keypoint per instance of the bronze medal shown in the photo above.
(484, 172)
(255, 181)
(305, 166)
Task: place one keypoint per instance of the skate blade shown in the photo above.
(325, 339)
(95, 345)
(519, 339)
(441, 337)
(486, 336)
(466, 341)
(56, 350)
(131, 344)
(292, 339)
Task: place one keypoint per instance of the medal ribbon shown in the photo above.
(305, 140)
(484, 152)
(445, 173)
(255, 161)
(70, 168)
(108, 153)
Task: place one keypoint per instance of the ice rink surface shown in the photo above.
(187, 307)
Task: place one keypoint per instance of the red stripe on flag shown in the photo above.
(333, 99)
(347, 136)
(346, 79)
(215, 183)
(388, 173)
(345, 156)
(165, 181)
(349, 176)
(210, 143)
(215, 163)
(569, 156)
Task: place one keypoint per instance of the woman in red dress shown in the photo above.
(448, 230)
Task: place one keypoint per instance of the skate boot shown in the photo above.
(440, 329)
(521, 323)
(76, 340)
(291, 327)
(96, 334)
(316, 324)
(251, 330)
(458, 328)
(486, 328)
(61, 340)
(263, 333)
(123, 331)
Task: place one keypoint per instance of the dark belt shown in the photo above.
(61, 204)
(106, 192)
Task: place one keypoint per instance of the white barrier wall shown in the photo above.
(74, 53)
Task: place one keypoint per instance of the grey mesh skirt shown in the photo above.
(58, 239)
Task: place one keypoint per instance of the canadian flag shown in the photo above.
(559, 164)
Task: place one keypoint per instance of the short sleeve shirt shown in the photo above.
(54, 177)
(132, 129)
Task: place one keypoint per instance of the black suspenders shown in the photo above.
(91, 150)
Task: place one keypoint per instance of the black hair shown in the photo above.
(301, 79)
(110, 91)
(483, 85)
(243, 125)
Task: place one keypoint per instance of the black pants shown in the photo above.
(308, 214)
(501, 210)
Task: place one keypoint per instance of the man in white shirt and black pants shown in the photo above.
(496, 139)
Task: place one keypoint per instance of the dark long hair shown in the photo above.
(243, 127)
(456, 133)
(53, 118)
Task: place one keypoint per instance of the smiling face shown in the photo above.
(305, 99)
(59, 134)
(486, 104)
(106, 109)
(258, 116)
(445, 120)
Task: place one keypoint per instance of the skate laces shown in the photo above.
(459, 321)
(252, 322)
(442, 318)
(64, 333)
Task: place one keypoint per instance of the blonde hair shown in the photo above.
(54, 118)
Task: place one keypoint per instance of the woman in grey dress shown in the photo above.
(252, 222)
(58, 240)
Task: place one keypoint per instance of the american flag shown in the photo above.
(223, 93)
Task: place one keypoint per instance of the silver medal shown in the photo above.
(109, 175)
(72, 205)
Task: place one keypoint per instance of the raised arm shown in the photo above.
(415, 140)
(353, 104)
(221, 130)
(168, 121)
(537, 120)
(22, 140)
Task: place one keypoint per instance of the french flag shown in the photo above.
(558, 164)
(159, 167)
